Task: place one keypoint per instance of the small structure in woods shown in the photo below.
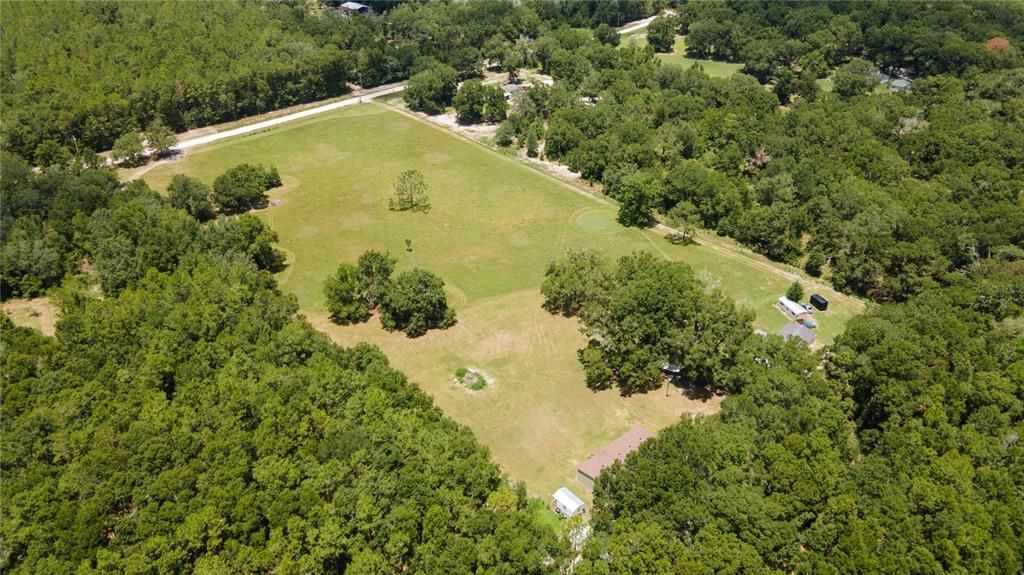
(513, 90)
(614, 451)
(899, 85)
(566, 503)
(355, 8)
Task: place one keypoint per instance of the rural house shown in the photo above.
(614, 451)
(791, 330)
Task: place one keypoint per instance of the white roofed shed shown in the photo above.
(566, 503)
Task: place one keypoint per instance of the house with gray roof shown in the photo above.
(792, 329)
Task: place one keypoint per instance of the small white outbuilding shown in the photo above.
(566, 503)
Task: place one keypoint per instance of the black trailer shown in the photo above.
(819, 302)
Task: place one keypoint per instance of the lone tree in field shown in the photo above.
(410, 193)
(795, 291)
(243, 187)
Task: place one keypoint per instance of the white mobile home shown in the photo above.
(791, 308)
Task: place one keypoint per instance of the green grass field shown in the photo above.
(713, 68)
(493, 227)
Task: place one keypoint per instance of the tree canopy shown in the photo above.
(244, 187)
(194, 423)
(188, 420)
(431, 90)
(900, 456)
(414, 303)
(643, 314)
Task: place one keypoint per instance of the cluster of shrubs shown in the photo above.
(54, 219)
(413, 302)
(471, 379)
(237, 190)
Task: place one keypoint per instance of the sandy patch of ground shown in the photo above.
(560, 171)
(479, 132)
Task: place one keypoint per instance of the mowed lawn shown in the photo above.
(493, 227)
(713, 68)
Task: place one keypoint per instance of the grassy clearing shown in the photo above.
(546, 516)
(713, 68)
(37, 313)
(493, 226)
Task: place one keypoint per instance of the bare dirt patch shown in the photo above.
(483, 133)
(38, 313)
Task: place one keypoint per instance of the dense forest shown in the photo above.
(186, 419)
(189, 421)
(55, 220)
(902, 455)
(780, 39)
(85, 74)
(880, 192)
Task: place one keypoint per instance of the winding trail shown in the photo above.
(641, 24)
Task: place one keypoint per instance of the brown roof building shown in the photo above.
(614, 451)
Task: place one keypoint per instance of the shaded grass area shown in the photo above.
(713, 68)
(493, 227)
(545, 516)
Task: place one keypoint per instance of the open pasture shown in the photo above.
(493, 227)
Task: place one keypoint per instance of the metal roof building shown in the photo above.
(567, 503)
(355, 7)
(899, 85)
(791, 308)
(614, 451)
(796, 330)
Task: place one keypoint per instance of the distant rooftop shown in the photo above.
(615, 451)
(899, 84)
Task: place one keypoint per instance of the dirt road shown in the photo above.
(362, 97)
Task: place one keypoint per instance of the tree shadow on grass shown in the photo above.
(692, 391)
